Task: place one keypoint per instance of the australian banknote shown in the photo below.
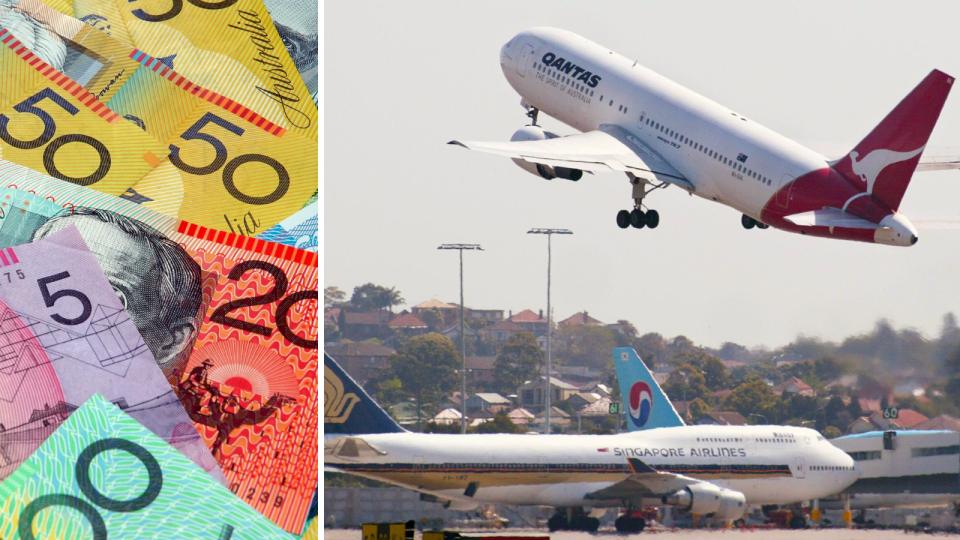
(299, 230)
(297, 23)
(229, 168)
(65, 336)
(231, 320)
(102, 475)
(230, 47)
(49, 123)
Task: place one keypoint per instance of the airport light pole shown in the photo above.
(463, 332)
(549, 233)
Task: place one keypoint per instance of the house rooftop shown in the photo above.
(434, 303)
(406, 320)
(578, 319)
(360, 348)
(527, 316)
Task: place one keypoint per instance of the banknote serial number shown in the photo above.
(19, 273)
(251, 493)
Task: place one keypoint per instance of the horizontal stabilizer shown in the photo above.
(938, 163)
(830, 217)
(611, 148)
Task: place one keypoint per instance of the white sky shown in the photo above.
(401, 79)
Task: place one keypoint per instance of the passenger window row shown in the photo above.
(829, 468)
(554, 74)
(709, 153)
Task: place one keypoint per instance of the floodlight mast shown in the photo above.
(549, 233)
(463, 342)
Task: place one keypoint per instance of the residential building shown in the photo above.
(498, 334)
(532, 392)
(941, 422)
(520, 417)
(449, 312)
(360, 325)
(454, 334)
(579, 319)
(580, 400)
(491, 316)
(487, 401)
(480, 369)
(598, 409)
(531, 322)
(794, 386)
(362, 360)
(408, 324)
(558, 417)
(447, 416)
(906, 419)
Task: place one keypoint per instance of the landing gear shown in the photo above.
(626, 524)
(637, 218)
(573, 519)
(532, 115)
(749, 223)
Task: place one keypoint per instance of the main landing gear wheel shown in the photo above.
(653, 219)
(628, 525)
(623, 219)
(638, 219)
(747, 222)
(558, 522)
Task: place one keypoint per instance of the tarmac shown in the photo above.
(685, 534)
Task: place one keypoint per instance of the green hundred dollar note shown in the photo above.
(103, 475)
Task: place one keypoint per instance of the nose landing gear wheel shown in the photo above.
(623, 219)
(653, 219)
(638, 218)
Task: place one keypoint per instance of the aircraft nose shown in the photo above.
(913, 239)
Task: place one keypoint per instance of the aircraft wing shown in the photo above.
(610, 148)
(644, 482)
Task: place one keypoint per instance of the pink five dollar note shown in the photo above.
(65, 336)
(231, 320)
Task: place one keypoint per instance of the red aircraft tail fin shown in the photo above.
(884, 161)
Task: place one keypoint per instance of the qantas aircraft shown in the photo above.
(660, 134)
(707, 470)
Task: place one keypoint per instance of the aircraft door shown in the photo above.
(641, 120)
(801, 469)
(783, 192)
(524, 57)
(543, 467)
(417, 475)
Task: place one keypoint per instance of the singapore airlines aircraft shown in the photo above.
(660, 134)
(885, 481)
(707, 470)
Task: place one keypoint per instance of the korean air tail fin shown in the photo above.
(883, 163)
(347, 409)
(644, 403)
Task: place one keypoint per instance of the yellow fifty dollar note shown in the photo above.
(51, 124)
(230, 47)
(229, 167)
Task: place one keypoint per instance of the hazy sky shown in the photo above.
(402, 79)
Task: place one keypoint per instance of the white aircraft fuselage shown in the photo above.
(726, 157)
(767, 464)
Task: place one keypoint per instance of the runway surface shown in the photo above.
(765, 534)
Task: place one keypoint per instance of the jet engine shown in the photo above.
(702, 498)
(537, 133)
(732, 505)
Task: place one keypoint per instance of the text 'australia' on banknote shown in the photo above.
(64, 336)
(230, 47)
(231, 320)
(102, 475)
(51, 124)
(229, 167)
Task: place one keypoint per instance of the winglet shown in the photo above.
(639, 467)
(458, 143)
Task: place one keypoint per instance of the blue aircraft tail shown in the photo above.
(644, 403)
(347, 409)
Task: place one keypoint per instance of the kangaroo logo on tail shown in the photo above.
(870, 167)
